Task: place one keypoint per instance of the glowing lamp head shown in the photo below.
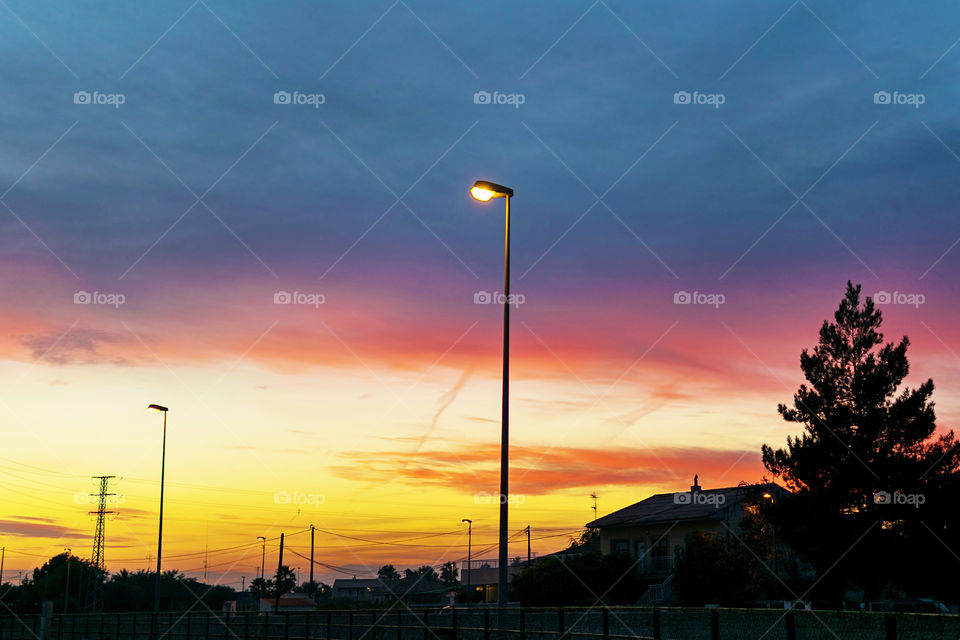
(767, 495)
(483, 190)
(481, 194)
(261, 539)
(156, 408)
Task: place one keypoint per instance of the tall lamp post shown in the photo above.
(769, 496)
(484, 191)
(263, 558)
(469, 550)
(156, 408)
(66, 591)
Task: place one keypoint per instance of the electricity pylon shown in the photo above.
(94, 602)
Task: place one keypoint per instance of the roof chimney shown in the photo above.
(695, 487)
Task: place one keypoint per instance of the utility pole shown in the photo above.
(243, 583)
(312, 529)
(528, 545)
(276, 603)
(94, 602)
(3, 553)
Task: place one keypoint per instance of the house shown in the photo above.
(362, 590)
(483, 577)
(651, 530)
(288, 602)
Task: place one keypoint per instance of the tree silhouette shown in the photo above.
(865, 436)
(388, 574)
(448, 574)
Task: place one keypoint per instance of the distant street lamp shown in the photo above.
(769, 496)
(263, 558)
(469, 549)
(66, 591)
(156, 408)
(484, 191)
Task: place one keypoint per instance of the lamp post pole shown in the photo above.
(163, 467)
(263, 558)
(66, 591)
(502, 583)
(469, 559)
(484, 191)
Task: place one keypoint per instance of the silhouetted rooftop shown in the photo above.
(664, 507)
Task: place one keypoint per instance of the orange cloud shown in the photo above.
(537, 471)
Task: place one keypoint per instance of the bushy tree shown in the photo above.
(388, 574)
(866, 436)
(581, 580)
(449, 574)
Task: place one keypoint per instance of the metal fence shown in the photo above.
(401, 623)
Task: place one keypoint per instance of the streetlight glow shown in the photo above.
(483, 190)
(481, 194)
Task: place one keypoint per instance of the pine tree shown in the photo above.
(866, 434)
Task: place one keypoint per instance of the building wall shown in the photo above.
(656, 561)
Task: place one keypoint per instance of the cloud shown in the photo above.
(535, 470)
(77, 346)
(38, 529)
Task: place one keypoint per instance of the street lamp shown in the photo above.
(156, 408)
(769, 496)
(469, 549)
(484, 191)
(66, 591)
(263, 558)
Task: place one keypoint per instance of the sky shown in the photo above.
(258, 215)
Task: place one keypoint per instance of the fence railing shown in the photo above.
(401, 623)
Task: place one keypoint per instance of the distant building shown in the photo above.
(483, 576)
(651, 530)
(362, 590)
(288, 602)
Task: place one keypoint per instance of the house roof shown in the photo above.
(362, 583)
(710, 504)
